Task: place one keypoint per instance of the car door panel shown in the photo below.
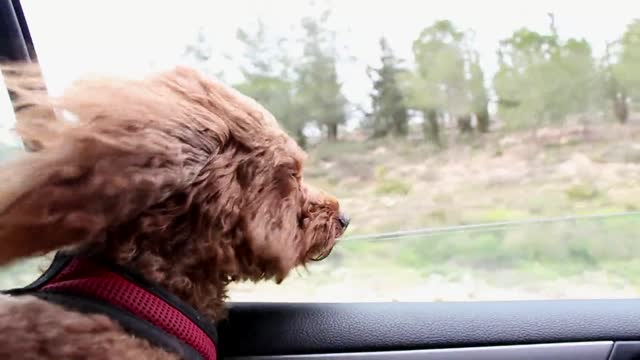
(268, 329)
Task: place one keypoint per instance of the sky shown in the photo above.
(134, 37)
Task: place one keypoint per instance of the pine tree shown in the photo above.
(318, 86)
(625, 72)
(389, 113)
(269, 79)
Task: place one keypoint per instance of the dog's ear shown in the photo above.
(123, 152)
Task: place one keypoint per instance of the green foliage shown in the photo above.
(478, 91)
(627, 69)
(318, 86)
(201, 50)
(301, 92)
(269, 80)
(431, 55)
(542, 79)
(502, 214)
(392, 187)
(201, 54)
(386, 185)
(439, 80)
(341, 150)
(624, 74)
(447, 79)
(565, 247)
(278, 96)
(389, 113)
(582, 191)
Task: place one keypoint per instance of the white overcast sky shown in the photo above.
(126, 36)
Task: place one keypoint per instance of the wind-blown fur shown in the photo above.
(175, 176)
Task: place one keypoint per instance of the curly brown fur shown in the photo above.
(34, 330)
(176, 176)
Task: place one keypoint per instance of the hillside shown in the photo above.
(389, 186)
(402, 185)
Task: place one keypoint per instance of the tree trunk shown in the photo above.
(620, 107)
(431, 127)
(400, 124)
(332, 132)
(464, 123)
(380, 129)
(379, 133)
(301, 139)
(482, 117)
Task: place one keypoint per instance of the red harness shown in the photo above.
(141, 308)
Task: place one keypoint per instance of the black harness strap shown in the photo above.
(131, 323)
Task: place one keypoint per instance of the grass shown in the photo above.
(582, 191)
(501, 214)
(386, 185)
(557, 249)
(392, 186)
(544, 257)
(340, 150)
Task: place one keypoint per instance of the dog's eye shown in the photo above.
(287, 180)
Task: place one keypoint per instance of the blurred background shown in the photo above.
(485, 151)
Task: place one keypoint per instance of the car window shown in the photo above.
(484, 151)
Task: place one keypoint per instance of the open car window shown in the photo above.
(480, 157)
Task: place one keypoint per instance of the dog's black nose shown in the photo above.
(344, 220)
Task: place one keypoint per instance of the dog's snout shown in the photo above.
(344, 220)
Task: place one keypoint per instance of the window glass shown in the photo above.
(484, 150)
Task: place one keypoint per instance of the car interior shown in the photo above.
(551, 329)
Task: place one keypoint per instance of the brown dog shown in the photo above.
(176, 177)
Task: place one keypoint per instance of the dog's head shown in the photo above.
(254, 190)
(177, 174)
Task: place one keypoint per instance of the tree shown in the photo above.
(389, 113)
(439, 84)
(200, 54)
(616, 94)
(625, 73)
(269, 79)
(425, 98)
(200, 50)
(440, 47)
(521, 78)
(478, 91)
(543, 79)
(318, 86)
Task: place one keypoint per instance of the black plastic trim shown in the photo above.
(625, 350)
(293, 328)
(24, 28)
(13, 46)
